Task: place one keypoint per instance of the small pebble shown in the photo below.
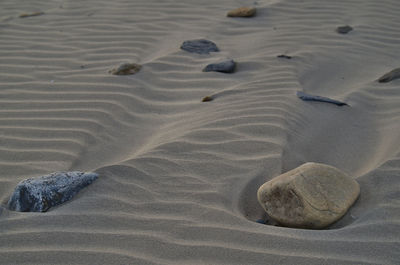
(126, 69)
(344, 29)
(207, 99)
(34, 14)
(200, 46)
(284, 56)
(242, 12)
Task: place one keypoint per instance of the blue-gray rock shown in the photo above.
(394, 74)
(223, 67)
(41, 193)
(200, 46)
(344, 29)
(308, 97)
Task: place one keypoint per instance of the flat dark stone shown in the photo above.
(392, 75)
(344, 29)
(41, 193)
(207, 99)
(200, 46)
(223, 67)
(308, 97)
(284, 56)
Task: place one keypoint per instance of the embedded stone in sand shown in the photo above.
(392, 75)
(34, 14)
(344, 29)
(207, 99)
(41, 193)
(242, 12)
(200, 46)
(126, 69)
(310, 196)
(223, 67)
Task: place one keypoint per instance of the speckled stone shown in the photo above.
(242, 12)
(41, 193)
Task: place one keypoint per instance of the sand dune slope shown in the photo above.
(178, 177)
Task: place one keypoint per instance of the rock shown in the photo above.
(41, 193)
(223, 67)
(392, 75)
(200, 46)
(126, 69)
(34, 14)
(310, 196)
(344, 29)
(309, 97)
(284, 56)
(207, 98)
(242, 12)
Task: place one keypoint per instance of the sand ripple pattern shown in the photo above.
(177, 176)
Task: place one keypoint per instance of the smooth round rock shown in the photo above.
(242, 12)
(310, 196)
(200, 46)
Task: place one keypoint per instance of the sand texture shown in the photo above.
(178, 177)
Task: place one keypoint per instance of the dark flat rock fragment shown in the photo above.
(223, 67)
(34, 14)
(308, 97)
(242, 12)
(344, 29)
(284, 56)
(392, 75)
(200, 46)
(41, 193)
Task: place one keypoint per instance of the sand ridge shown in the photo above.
(178, 177)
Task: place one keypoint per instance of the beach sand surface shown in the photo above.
(178, 177)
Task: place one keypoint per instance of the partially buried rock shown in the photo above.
(126, 69)
(310, 196)
(242, 12)
(200, 46)
(223, 67)
(308, 97)
(34, 14)
(344, 29)
(41, 193)
(394, 74)
(284, 56)
(207, 99)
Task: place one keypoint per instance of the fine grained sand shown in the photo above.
(178, 177)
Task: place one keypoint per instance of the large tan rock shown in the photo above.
(310, 196)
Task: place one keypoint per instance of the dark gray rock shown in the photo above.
(200, 46)
(284, 56)
(344, 29)
(223, 67)
(394, 74)
(308, 97)
(41, 193)
(126, 69)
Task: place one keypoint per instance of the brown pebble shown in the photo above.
(242, 12)
(34, 14)
(207, 99)
(126, 69)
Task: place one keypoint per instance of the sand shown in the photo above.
(178, 176)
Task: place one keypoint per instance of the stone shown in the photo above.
(126, 69)
(392, 75)
(344, 29)
(41, 193)
(242, 12)
(223, 67)
(207, 99)
(309, 97)
(311, 196)
(284, 56)
(34, 14)
(200, 46)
